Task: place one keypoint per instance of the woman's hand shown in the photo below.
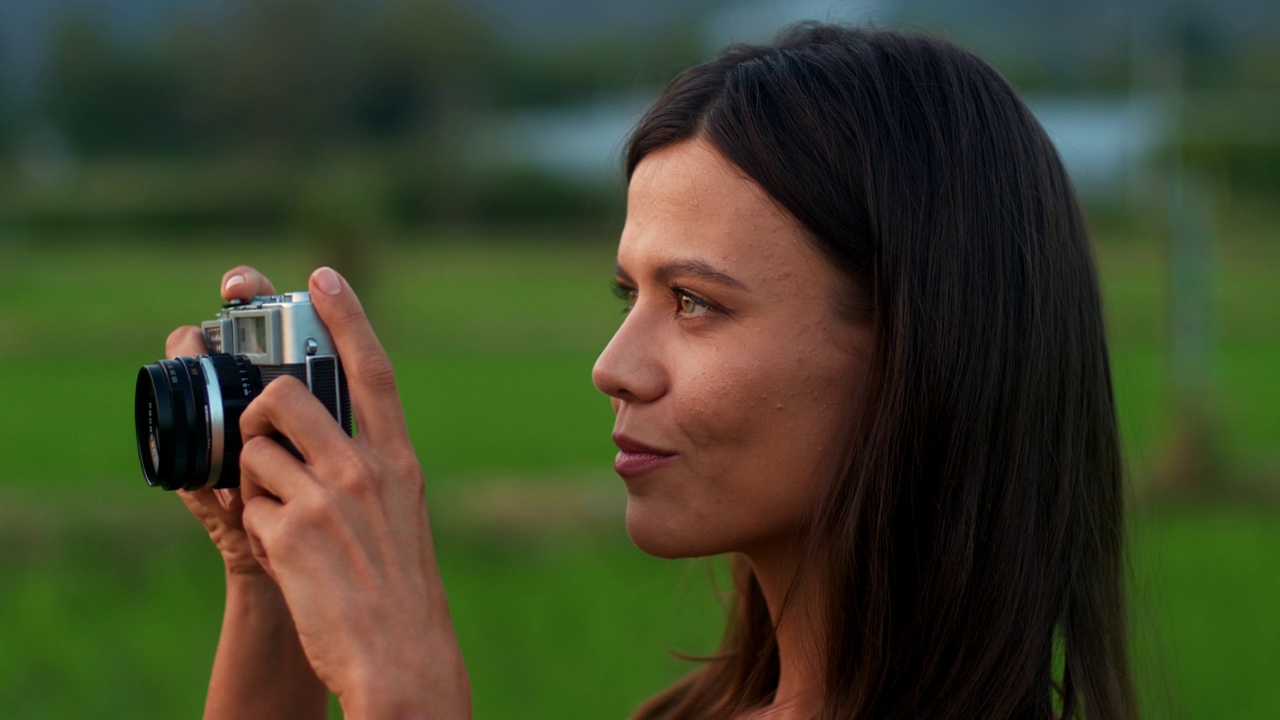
(260, 669)
(220, 510)
(345, 532)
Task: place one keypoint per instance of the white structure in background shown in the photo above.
(580, 142)
(1106, 143)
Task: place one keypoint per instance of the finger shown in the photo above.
(287, 407)
(229, 498)
(205, 505)
(244, 283)
(261, 514)
(268, 475)
(186, 341)
(269, 471)
(198, 503)
(370, 378)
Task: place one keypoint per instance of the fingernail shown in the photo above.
(327, 281)
(233, 281)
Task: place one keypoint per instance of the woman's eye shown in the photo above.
(690, 305)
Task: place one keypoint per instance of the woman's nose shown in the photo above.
(630, 368)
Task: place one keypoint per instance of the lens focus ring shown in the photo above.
(238, 383)
(187, 420)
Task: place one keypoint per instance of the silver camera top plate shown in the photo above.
(270, 330)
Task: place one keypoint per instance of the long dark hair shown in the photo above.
(967, 554)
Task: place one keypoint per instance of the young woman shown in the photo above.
(864, 354)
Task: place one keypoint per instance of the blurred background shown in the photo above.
(459, 163)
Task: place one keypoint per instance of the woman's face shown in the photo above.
(732, 373)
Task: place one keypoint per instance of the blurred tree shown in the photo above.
(294, 76)
(285, 78)
(1206, 51)
(8, 120)
(277, 95)
(595, 66)
(423, 67)
(1258, 66)
(198, 55)
(108, 98)
(340, 213)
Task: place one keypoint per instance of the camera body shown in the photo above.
(187, 410)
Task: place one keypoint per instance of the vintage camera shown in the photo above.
(187, 411)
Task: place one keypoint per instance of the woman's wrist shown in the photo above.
(261, 669)
(256, 609)
(433, 685)
(373, 704)
(256, 587)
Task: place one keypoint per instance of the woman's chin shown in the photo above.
(664, 536)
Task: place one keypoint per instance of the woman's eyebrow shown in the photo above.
(666, 272)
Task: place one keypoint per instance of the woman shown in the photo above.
(864, 353)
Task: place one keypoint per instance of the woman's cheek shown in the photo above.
(725, 408)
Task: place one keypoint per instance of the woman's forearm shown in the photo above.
(260, 669)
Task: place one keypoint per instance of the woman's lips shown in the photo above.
(636, 458)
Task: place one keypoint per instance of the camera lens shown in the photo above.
(187, 419)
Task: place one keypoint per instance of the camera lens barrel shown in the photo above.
(187, 419)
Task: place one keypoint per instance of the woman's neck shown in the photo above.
(799, 635)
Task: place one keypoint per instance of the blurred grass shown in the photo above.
(110, 597)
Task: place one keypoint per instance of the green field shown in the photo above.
(110, 596)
